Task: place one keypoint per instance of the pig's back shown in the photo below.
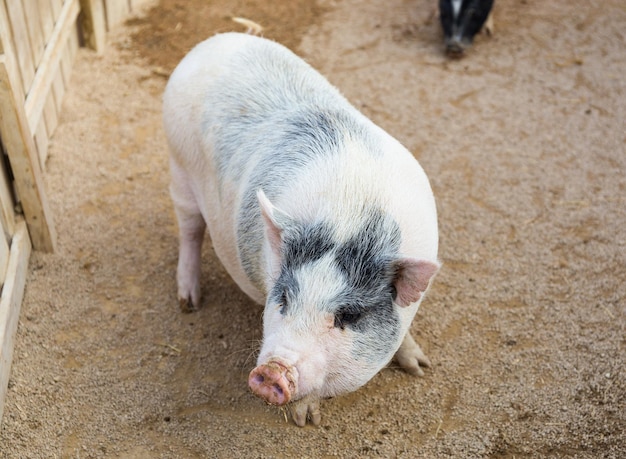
(233, 88)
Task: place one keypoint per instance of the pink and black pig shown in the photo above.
(461, 20)
(315, 212)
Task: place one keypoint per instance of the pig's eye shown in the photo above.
(393, 291)
(282, 302)
(346, 318)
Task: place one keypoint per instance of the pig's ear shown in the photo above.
(412, 278)
(273, 220)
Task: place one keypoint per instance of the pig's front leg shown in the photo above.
(306, 408)
(191, 227)
(410, 356)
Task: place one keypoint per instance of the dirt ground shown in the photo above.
(524, 141)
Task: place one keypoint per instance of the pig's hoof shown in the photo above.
(306, 409)
(410, 357)
(186, 305)
(189, 295)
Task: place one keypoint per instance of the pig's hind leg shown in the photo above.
(191, 227)
(410, 356)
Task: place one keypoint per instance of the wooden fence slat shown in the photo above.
(21, 42)
(56, 7)
(6, 48)
(35, 32)
(11, 302)
(42, 139)
(67, 62)
(18, 141)
(46, 18)
(52, 109)
(36, 97)
(50, 119)
(59, 86)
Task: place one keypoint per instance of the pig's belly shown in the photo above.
(218, 209)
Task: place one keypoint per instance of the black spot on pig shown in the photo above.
(306, 243)
(311, 132)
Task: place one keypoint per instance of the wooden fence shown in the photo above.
(38, 43)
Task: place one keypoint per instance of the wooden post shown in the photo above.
(20, 147)
(94, 24)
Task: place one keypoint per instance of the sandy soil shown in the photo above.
(525, 144)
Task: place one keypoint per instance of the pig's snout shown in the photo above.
(273, 382)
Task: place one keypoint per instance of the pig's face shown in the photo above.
(336, 333)
(335, 312)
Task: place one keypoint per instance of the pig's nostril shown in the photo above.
(272, 383)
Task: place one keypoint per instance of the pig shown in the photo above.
(461, 20)
(314, 211)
